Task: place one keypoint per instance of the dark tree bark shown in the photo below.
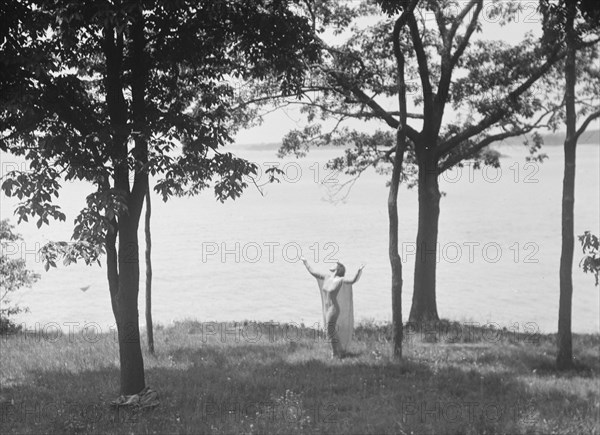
(123, 263)
(149, 327)
(564, 358)
(112, 268)
(395, 261)
(400, 149)
(424, 305)
(130, 350)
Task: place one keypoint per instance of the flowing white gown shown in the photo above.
(345, 321)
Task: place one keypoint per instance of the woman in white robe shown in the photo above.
(336, 299)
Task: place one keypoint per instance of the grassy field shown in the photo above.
(266, 378)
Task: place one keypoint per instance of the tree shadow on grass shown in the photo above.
(261, 388)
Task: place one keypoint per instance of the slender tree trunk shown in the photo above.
(149, 327)
(395, 261)
(424, 305)
(564, 358)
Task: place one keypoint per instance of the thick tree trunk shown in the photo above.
(149, 328)
(124, 288)
(130, 350)
(564, 358)
(424, 306)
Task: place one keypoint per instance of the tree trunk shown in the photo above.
(395, 261)
(424, 306)
(149, 328)
(564, 358)
(112, 268)
(130, 351)
(123, 264)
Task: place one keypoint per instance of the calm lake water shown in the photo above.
(499, 247)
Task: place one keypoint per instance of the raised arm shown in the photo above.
(356, 277)
(311, 270)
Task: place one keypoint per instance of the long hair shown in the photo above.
(341, 269)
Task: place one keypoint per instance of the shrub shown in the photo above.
(15, 275)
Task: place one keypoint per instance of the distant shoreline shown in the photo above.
(591, 137)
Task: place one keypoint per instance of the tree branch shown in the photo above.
(449, 60)
(139, 75)
(360, 114)
(423, 67)
(376, 108)
(402, 127)
(589, 119)
(440, 20)
(499, 113)
(460, 18)
(470, 29)
(450, 162)
(279, 96)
